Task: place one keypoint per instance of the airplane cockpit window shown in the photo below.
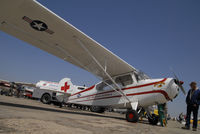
(124, 80)
(139, 75)
(104, 85)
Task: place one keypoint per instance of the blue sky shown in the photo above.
(151, 35)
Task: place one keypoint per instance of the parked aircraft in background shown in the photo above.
(48, 91)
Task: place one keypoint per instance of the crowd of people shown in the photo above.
(12, 89)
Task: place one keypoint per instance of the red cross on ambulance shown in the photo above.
(65, 87)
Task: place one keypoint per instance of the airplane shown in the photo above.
(48, 91)
(122, 85)
(55, 85)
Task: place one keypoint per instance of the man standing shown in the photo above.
(193, 102)
(12, 86)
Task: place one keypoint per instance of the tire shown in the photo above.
(132, 116)
(69, 105)
(1, 92)
(46, 99)
(141, 112)
(153, 119)
(97, 109)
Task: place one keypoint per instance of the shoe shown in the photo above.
(187, 128)
(194, 129)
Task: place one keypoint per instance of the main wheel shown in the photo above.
(132, 116)
(46, 99)
(153, 119)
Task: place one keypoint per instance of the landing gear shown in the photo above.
(97, 109)
(132, 116)
(153, 119)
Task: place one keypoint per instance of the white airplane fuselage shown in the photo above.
(145, 92)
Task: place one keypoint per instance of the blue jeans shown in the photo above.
(190, 109)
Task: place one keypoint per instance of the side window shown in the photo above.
(100, 86)
(124, 80)
(104, 85)
(81, 88)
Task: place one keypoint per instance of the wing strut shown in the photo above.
(104, 70)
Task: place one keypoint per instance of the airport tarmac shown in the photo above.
(23, 116)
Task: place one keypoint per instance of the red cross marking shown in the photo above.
(65, 87)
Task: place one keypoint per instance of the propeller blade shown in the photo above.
(179, 83)
(182, 89)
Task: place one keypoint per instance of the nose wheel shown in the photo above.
(132, 116)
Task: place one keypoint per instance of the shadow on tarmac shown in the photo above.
(57, 111)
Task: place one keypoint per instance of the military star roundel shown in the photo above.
(38, 25)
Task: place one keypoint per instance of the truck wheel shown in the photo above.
(46, 99)
(1, 92)
(153, 119)
(132, 116)
(97, 109)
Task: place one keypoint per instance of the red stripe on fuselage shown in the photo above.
(149, 84)
(139, 86)
(149, 92)
(133, 94)
(90, 88)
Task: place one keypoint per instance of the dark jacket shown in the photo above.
(195, 99)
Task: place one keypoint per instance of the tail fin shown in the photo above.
(65, 85)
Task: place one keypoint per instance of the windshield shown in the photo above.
(140, 75)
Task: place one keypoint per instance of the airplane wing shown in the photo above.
(33, 23)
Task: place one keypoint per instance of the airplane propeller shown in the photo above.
(179, 83)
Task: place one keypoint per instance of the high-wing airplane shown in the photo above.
(48, 91)
(64, 86)
(122, 85)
